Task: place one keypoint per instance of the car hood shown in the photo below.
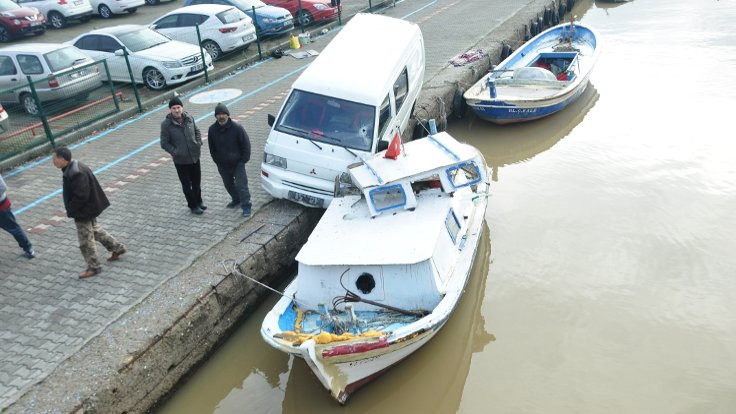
(21, 13)
(169, 50)
(272, 12)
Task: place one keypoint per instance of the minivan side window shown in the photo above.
(6, 66)
(384, 115)
(30, 65)
(401, 88)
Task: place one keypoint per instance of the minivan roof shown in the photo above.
(33, 47)
(367, 48)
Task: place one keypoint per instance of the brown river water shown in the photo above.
(606, 278)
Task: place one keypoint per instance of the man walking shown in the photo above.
(181, 138)
(8, 223)
(230, 149)
(84, 201)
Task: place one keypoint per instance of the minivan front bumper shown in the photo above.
(299, 188)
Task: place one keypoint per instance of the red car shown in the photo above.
(312, 10)
(17, 21)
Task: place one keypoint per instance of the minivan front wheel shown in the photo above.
(154, 79)
(29, 104)
(57, 20)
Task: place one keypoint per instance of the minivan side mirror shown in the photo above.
(382, 145)
(119, 52)
(271, 120)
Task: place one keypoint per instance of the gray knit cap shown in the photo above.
(221, 109)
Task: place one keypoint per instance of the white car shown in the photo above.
(222, 28)
(59, 12)
(106, 8)
(155, 60)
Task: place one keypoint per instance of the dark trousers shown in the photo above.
(8, 223)
(236, 182)
(190, 176)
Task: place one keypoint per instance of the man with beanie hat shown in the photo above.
(8, 223)
(181, 138)
(230, 149)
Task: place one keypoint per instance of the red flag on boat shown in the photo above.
(394, 148)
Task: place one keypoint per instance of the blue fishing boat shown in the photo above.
(543, 76)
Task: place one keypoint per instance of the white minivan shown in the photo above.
(349, 103)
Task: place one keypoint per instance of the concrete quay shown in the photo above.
(119, 342)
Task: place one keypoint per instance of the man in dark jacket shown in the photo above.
(8, 223)
(84, 201)
(230, 149)
(181, 138)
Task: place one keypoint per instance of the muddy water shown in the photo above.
(606, 280)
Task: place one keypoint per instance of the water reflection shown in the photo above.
(509, 144)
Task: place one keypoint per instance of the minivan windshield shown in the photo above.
(142, 39)
(327, 119)
(65, 58)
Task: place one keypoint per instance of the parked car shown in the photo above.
(155, 60)
(17, 21)
(269, 20)
(106, 8)
(59, 67)
(59, 12)
(311, 10)
(3, 119)
(222, 28)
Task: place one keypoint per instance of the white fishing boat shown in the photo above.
(384, 268)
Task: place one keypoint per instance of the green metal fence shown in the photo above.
(43, 107)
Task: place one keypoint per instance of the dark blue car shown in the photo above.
(269, 20)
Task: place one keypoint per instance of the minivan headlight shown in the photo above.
(172, 64)
(274, 160)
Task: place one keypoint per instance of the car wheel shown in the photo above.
(133, 10)
(152, 2)
(104, 11)
(212, 48)
(4, 34)
(154, 79)
(29, 104)
(57, 20)
(305, 18)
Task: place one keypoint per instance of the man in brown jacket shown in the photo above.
(84, 201)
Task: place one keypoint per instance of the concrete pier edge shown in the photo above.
(138, 359)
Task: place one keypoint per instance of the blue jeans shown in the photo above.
(8, 223)
(236, 182)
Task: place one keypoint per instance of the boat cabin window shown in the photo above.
(387, 197)
(384, 115)
(452, 223)
(401, 89)
(328, 119)
(426, 184)
(465, 174)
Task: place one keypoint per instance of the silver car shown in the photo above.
(58, 72)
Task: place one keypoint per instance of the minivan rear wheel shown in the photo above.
(57, 20)
(29, 104)
(212, 48)
(154, 79)
(105, 11)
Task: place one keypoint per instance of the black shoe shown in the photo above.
(246, 212)
(232, 204)
(202, 206)
(29, 254)
(198, 211)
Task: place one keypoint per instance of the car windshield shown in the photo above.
(330, 120)
(230, 16)
(142, 39)
(247, 4)
(65, 58)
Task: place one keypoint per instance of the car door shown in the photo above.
(187, 27)
(9, 78)
(387, 124)
(168, 25)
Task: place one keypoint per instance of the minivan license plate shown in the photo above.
(306, 199)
